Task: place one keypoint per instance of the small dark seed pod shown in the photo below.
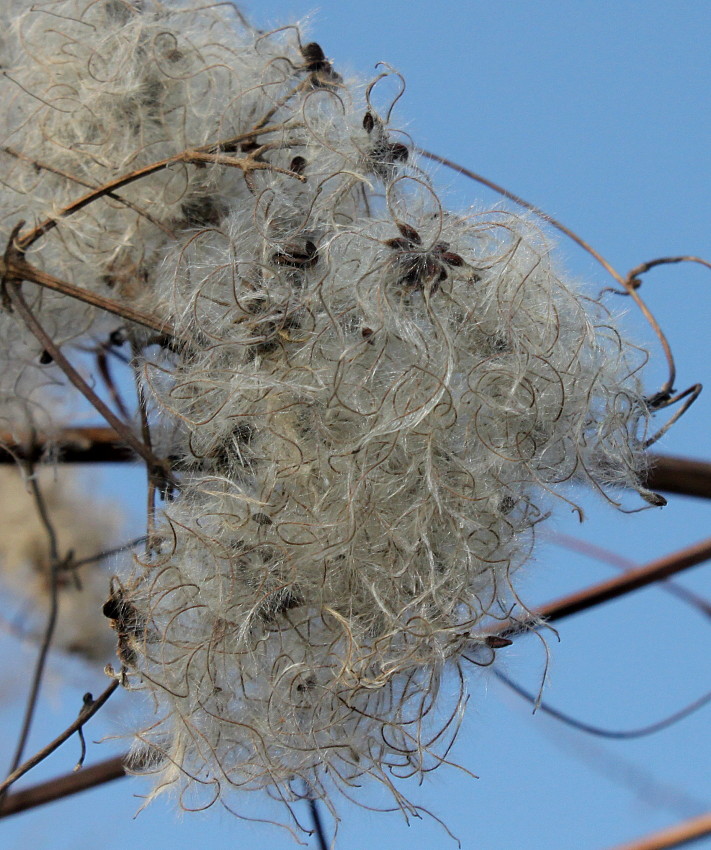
(297, 165)
(397, 152)
(399, 244)
(451, 259)
(299, 258)
(313, 53)
(496, 642)
(409, 232)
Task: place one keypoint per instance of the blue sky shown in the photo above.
(597, 112)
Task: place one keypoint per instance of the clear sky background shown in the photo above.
(598, 112)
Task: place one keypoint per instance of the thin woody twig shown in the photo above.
(318, 824)
(89, 709)
(607, 556)
(124, 432)
(63, 786)
(107, 553)
(665, 400)
(70, 445)
(674, 836)
(104, 370)
(679, 475)
(589, 728)
(54, 568)
(198, 156)
(605, 591)
(643, 268)
(81, 182)
(19, 270)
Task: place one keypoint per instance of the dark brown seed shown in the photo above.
(203, 212)
(299, 258)
(409, 232)
(313, 52)
(496, 642)
(262, 519)
(297, 165)
(399, 244)
(368, 122)
(398, 152)
(654, 499)
(451, 259)
(243, 432)
(112, 609)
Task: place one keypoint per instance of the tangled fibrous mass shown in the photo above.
(369, 402)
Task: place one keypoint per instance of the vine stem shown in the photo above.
(582, 600)
(126, 435)
(18, 270)
(673, 836)
(55, 565)
(88, 710)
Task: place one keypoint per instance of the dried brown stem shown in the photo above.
(318, 824)
(106, 553)
(127, 436)
(89, 709)
(690, 394)
(197, 156)
(679, 475)
(81, 182)
(613, 588)
(674, 836)
(69, 445)
(591, 729)
(19, 270)
(607, 556)
(643, 268)
(63, 786)
(54, 569)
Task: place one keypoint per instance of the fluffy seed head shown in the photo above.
(371, 401)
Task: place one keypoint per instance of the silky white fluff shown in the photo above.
(369, 403)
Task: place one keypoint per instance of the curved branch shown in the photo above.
(673, 836)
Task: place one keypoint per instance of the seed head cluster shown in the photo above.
(368, 401)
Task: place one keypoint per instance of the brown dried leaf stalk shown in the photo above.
(679, 835)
